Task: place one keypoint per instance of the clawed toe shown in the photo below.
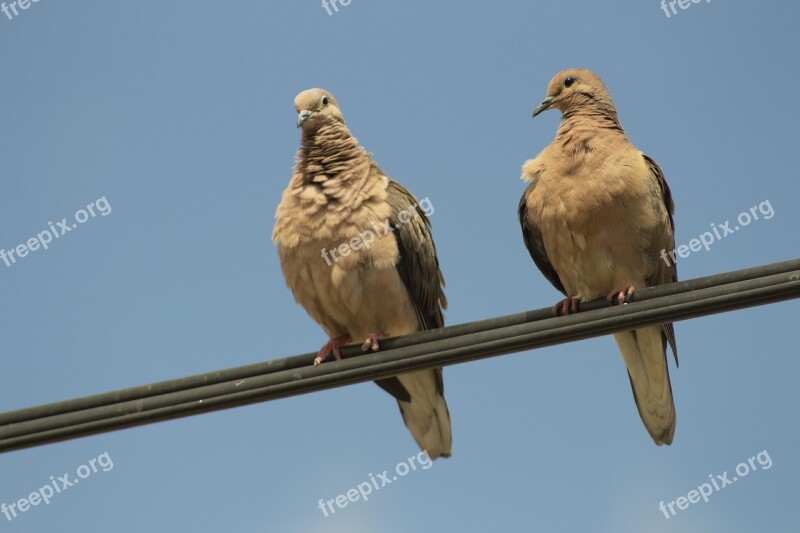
(332, 346)
(566, 306)
(371, 342)
(620, 296)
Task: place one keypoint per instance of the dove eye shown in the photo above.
(569, 81)
(324, 100)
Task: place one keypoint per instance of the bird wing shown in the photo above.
(665, 240)
(532, 236)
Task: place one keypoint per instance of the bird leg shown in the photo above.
(622, 296)
(371, 342)
(332, 345)
(566, 306)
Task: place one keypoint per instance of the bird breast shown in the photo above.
(596, 229)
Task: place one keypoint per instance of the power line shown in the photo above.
(168, 400)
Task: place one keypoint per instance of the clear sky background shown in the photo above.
(180, 114)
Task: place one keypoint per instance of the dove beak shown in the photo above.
(544, 106)
(302, 117)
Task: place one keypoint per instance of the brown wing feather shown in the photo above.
(534, 243)
(418, 267)
(663, 273)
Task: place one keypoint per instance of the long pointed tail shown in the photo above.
(420, 396)
(644, 353)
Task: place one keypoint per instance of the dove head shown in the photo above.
(315, 108)
(577, 89)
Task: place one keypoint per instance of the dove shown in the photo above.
(357, 253)
(594, 216)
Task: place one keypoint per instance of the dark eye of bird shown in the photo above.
(324, 100)
(568, 82)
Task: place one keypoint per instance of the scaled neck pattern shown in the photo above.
(583, 128)
(331, 160)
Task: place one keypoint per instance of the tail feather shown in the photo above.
(420, 397)
(645, 356)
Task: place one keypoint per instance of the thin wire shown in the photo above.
(456, 344)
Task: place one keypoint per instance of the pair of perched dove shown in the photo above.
(594, 218)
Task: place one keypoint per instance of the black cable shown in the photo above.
(456, 344)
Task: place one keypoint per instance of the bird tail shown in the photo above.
(645, 355)
(420, 397)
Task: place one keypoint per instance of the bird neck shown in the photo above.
(583, 132)
(601, 112)
(330, 152)
(594, 118)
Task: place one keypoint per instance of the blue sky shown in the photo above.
(180, 116)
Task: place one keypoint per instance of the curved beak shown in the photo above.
(544, 106)
(302, 117)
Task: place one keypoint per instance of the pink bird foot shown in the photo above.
(622, 296)
(566, 306)
(371, 342)
(332, 345)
